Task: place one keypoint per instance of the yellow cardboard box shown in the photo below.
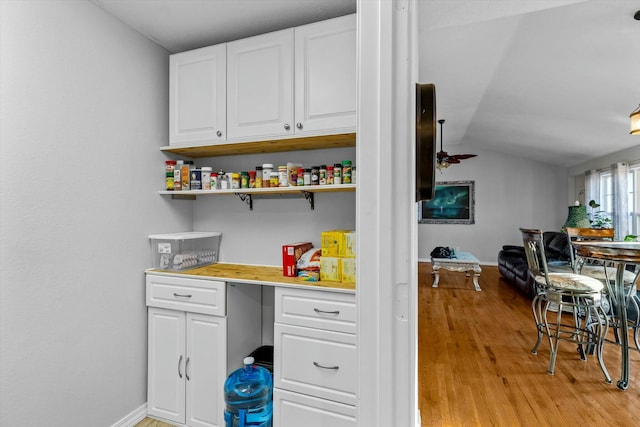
(350, 244)
(348, 270)
(330, 269)
(334, 242)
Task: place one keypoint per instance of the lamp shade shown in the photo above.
(578, 217)
(635, 121)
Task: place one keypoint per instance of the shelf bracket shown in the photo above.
(246, 198)
(309, 196)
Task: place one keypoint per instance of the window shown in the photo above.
(634, 199)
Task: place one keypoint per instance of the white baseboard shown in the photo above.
(133, 418)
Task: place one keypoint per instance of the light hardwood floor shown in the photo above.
(476, 366)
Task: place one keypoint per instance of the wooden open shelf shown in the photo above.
(268, 146)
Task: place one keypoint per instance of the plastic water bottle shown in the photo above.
(248, 394)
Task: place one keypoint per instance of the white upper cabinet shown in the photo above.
(197, 96)
(325, 76)
(260, 86)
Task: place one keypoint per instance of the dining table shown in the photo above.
(622, 254)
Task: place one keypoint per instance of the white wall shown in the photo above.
(257, 236)
(83, 111)
(510, 192)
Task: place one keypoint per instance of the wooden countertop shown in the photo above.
(258, 274)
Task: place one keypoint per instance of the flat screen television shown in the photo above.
(425, 141)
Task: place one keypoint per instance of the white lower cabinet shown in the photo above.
(187, 365)
(290, 408)
(314, 358)
(190, 351)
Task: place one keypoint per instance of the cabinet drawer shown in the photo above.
(289, 408)
(192, 295)
(316, 309)
(315, 362)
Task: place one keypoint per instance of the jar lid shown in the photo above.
(235, 175)
(329, 167)
(274, 174)
(267, 165)
(206, 169)
(170, 162)
(244, 173)
(258, 168)
(346, 162)
(337, 165)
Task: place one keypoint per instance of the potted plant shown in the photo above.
(599, 219)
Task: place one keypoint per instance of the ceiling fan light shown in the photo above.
(634, 117)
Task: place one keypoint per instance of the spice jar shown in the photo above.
(252, 179)
(244, 179)
(235, 180)
(300, 176)
(315, 175)
(283, 176)
(346, 171)
(329, 175)
(307, 177)
(337, 173)
(258, 176)
(274, 179)
(185, 174)
(196, 179)
(206, 177)
(169, 167)
(267, 168)
(177, 180)
(322, 178)
(214, 181)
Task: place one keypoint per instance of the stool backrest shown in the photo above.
(532, 240)
(576, 234)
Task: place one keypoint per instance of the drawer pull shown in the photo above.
(181, 295)
(186, 370)
(334, 368)
(179, 363)
(317, 310)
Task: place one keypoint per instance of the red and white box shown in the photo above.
(291, 253)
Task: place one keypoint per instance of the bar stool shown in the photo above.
(575, 296)
(606, 273)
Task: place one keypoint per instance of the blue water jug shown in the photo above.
(248, 394)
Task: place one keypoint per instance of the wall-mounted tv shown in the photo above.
(425, 141)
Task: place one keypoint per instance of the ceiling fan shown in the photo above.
(444, 159)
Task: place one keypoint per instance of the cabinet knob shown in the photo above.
(299, 125)
(286, 126)
(219, 134)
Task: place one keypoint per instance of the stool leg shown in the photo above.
(536, 308)
(602, 328)
(554, 339)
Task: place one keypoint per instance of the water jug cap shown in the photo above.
(248, 360)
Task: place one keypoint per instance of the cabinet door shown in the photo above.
(260, 86)
(289, 408)
(325, 76)
(197, 96)
(166, 387)
(205, 370)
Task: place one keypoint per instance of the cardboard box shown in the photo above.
(291, 253)
(330, 269)
(348, 270)
(333, 242)
(350, 244)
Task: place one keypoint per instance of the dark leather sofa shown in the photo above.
(512, 261)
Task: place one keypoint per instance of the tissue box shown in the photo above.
(291, 253)
(182, 251)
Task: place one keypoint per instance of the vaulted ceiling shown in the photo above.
(550, 80)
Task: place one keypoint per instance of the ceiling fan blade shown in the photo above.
(463, 156)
